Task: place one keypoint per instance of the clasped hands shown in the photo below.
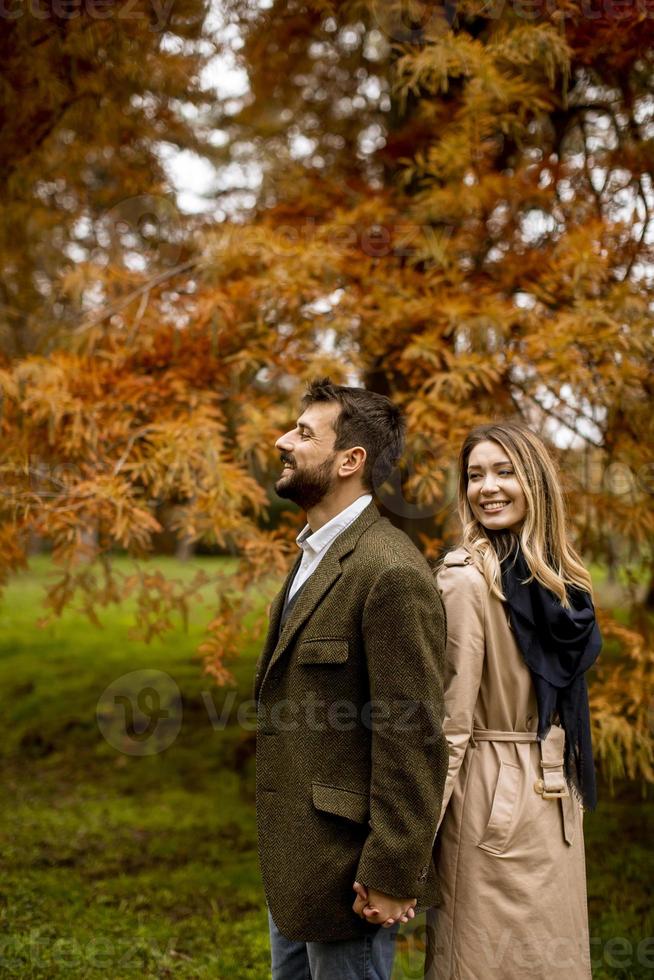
(381, 909)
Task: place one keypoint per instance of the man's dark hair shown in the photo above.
(365, 419)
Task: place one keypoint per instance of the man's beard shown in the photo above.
(307, 487)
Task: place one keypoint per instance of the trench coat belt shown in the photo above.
(552, 785)
(487, 735)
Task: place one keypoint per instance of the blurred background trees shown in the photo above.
(91, 95)
(454, 208)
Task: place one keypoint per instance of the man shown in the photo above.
(351, 757)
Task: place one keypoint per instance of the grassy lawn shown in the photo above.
(126, 864)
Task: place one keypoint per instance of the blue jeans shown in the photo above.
(367, 958)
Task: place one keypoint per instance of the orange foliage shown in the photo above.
(465, 230)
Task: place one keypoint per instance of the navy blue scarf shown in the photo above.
(558, 645)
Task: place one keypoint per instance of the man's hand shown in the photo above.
(381, 909)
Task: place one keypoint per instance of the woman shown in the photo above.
(521, 634)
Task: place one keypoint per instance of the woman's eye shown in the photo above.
(506, 472)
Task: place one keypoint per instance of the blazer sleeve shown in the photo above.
(464, 594)
(404, 639)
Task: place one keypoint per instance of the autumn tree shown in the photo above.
(454, 208)
(496, 242)
(93, 95)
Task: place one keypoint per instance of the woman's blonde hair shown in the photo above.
(551, 559)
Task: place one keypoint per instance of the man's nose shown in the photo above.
(285, 443)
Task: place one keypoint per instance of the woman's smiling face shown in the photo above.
(494, 494)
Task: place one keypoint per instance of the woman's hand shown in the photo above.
(381, 909)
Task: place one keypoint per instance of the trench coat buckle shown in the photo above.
(553, 785)
(552, 794)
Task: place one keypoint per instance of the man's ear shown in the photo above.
(354, 461)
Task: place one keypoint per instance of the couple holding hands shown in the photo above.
(423, 742)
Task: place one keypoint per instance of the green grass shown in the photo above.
(116, 864)
(125, 865)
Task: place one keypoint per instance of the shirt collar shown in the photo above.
(317, 541)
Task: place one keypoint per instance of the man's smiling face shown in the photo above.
(308, 456)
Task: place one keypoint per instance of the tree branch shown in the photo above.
(120, 304)
(554, 415)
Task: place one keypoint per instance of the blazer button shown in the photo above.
(423, 874)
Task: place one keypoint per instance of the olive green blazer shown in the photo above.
(351, 756)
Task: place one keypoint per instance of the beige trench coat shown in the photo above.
(511, 862)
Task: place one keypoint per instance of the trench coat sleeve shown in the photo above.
(464, 593)
(404, 639)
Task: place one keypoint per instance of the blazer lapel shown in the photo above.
(272, 636)
(327, 572)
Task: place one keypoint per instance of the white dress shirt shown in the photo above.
(315, 545)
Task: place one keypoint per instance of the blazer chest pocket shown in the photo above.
(323, 651)
(341, 802)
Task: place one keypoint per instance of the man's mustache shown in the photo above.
(288, 460)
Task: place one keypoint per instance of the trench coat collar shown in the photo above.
(517, 599)
(327, 572)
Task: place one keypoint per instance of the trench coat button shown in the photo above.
(539, 786)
